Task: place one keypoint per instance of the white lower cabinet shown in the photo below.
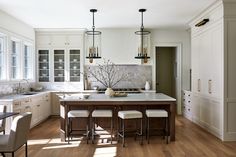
(39, 105)
(207, 112)
(41, 108)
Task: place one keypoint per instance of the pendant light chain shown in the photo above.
(93, 27)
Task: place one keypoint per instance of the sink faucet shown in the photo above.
(19, 88)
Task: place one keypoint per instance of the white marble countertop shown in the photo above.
(129, 97)
(13, 97)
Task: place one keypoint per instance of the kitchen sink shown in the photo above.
(29, 93)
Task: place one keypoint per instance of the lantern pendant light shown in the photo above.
(143, 41)
(93, 42)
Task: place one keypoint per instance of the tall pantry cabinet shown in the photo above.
(213, 56)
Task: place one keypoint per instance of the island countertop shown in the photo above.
(130, 97)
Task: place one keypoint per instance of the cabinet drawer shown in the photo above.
(16, 104)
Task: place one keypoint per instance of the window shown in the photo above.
(15, 59)
(2, 56)
(28, 62)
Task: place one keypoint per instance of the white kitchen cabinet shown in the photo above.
(43, 40)
(207, 70)
(65, 60)
(43, 65)
(55, 104)
(213, 70)
(41, 108)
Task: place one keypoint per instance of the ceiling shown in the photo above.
(111, 13)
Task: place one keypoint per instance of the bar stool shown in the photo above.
(77, 114)
(130, 115)
(101, 114)
(157, 113)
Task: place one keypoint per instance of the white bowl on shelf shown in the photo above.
(59, 67)
(75, 60)
(60, 75)
(44, 60)
(60, 60)
(44, 75)
(44, 67)
(74, 67)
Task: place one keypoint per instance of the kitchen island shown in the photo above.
(139, 101)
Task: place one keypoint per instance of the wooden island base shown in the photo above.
(139, 102)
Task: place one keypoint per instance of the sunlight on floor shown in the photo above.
(38, 141)
(105, 152)
(62, 146)
(55, 143)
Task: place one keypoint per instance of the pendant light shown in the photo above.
(143, 41)
(93, 42)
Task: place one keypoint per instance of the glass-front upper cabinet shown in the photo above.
(59, 65)
(74, 65)
(43, 63)
(15, 59)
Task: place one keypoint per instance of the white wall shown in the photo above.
(119, 45)
(10, 24)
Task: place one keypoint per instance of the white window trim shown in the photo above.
(19, 68)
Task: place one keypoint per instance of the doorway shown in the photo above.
(166, 71)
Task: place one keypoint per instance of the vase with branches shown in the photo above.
(108, 74)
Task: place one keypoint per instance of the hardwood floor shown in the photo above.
(191, 141)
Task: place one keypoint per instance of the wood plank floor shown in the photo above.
(191, 141)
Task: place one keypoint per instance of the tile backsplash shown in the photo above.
(9, 88)
(137, 76)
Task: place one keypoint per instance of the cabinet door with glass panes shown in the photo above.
(59, 65)
(43, 65)
(74, 65)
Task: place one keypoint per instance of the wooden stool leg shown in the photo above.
(93, 130)
(141, 131)
(87, 130)
(148, 129)
(123, 130)
(167, 133)
(68, 130)
(111, 128)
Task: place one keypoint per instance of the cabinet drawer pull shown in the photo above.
(26, 107)
(189, 109)
(183, 99)
(189, 101)
(189, 95)
(198, 85)
(209, 86)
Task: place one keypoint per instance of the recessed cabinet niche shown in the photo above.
(59, 56)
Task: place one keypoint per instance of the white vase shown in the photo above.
(109, 92)
(147, 86)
